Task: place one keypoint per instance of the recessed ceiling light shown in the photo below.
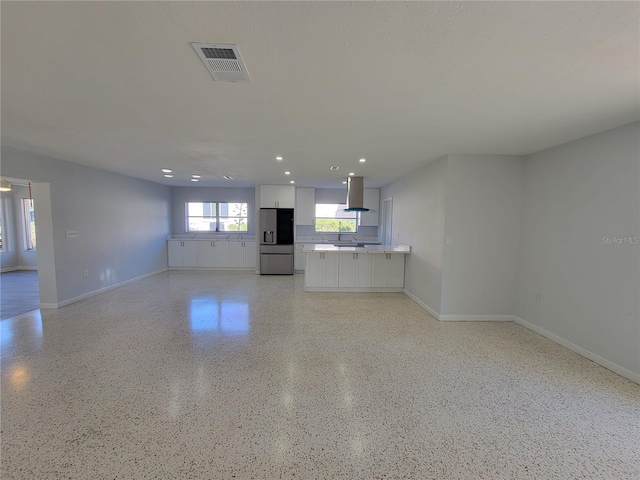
(196, 176)
(292, 181)
(344, 183)
(287, 173)
(227, 177)
(362, 160)
(167, 170)
(351, 174)
(278, 158)
(168, 176)
(195, 180)
(334, 167)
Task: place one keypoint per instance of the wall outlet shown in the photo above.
(72, 233)
(85, 273)
(449, 240)
(538, 298)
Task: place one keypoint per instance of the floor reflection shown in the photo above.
(25, 328)
(228, 317)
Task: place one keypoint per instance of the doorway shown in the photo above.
(19, 282)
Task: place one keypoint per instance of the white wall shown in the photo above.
(482, 218)
(575, 195)
(182, 195)
(122, 222)
(418, 220)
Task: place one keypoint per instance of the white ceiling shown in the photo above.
(117, 85)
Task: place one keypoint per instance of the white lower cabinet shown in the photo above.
(321, 269)
(242, 254)
(249, 254)
(387, 270)
(221, 257)
(299, 258)
(182, 253)
(236, 254)
(341, 271)
(206, 252)
(354, 270)
(175, 256)
(211, 254)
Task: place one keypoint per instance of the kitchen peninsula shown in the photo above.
(351, 268)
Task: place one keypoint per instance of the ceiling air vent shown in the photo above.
(223, 62)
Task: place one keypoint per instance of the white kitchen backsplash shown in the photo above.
(310, 231)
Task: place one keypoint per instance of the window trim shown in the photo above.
(218, 217)
(3, 228)
(28, 241)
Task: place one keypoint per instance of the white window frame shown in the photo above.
(347, 217)
(3, 229)
(30, 239)
(218, 218)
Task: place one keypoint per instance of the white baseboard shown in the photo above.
(210, 269)
(614, 367)
(101, 290)
(49, 305)
(476, 318)
(15, 269)
(354, 289)
(431, 311)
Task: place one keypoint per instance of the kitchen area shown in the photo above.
(284, 234)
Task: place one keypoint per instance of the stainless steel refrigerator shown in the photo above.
(276, 241)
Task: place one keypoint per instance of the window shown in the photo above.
(216, 217)
(232, 217)
(28, 215)
(201, 216)
(2, 230)
(330, 218)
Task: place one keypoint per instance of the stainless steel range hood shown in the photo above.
(355, 195)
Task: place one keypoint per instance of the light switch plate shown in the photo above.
(72, 233)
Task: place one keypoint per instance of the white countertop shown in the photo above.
(323, 247)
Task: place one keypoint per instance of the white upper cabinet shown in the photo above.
(268, 195)
(277, 196)
(305, 206)
(371, 199)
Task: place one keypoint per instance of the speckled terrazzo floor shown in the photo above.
(232, 375)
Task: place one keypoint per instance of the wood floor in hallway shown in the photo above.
(19, 293)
